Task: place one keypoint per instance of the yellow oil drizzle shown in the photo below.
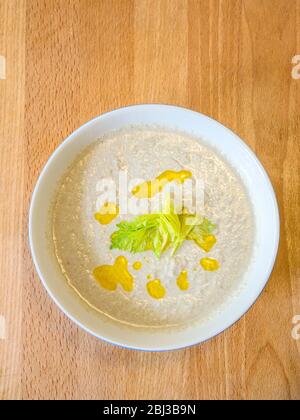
(207, 242)
(109, 276)
(156, 289)
(182, 281)
(151, 188)
(137, 265)
(107, 213)
(209, 264)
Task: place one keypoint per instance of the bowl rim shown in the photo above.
(73, 318)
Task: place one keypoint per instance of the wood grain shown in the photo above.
(12, 155)
(70, 60)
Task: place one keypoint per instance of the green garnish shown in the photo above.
(204, 229)
(159, 232)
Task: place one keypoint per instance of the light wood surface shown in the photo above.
(70, 60)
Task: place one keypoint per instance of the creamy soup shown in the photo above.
(151, 283)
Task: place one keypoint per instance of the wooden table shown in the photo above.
(70, 60)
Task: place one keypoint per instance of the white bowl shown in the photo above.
(241, 158)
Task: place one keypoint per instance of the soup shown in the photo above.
(161, 267)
